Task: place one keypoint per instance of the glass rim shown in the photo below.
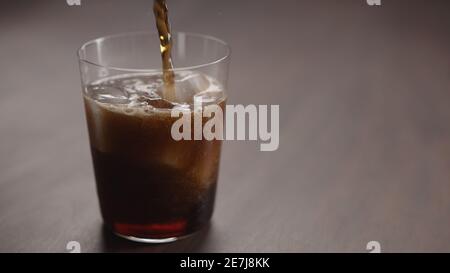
(153, 70)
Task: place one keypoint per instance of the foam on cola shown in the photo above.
(149, 185)
(148, 90)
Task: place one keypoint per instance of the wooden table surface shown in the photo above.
(364, 95)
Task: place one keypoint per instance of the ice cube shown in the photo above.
(196, 81)
(208, 97)
(142, 88)
(187, 85)
(160, 104)
(132, 81)
(109, 94)
(150, 99)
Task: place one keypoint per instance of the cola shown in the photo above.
(150, 185)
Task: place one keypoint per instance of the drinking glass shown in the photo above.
(151, 187)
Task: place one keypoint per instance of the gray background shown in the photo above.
(364, 95)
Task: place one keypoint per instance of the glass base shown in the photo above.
(158, 240)
(150, 240)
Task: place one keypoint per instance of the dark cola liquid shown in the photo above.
(149, 185)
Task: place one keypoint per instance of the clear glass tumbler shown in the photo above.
(151, 187)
